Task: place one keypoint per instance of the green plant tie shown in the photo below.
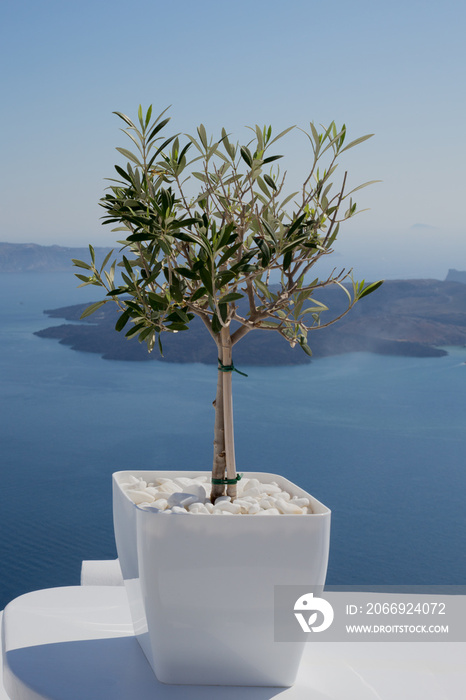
(227, 482)
(229, 368)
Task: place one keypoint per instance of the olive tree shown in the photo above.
(209, 231)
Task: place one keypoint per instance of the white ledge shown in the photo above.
(77, 642)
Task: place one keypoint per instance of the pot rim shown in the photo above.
(322, 510)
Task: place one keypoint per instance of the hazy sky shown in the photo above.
(396, 69)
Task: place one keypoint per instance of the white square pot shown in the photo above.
(201, 587)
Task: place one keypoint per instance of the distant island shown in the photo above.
(404, 317)
(30, 257)
(456, 276)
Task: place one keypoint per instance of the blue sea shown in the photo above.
(380, 440)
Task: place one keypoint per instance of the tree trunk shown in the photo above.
(219, 465)
(224, 445)
(228, 411)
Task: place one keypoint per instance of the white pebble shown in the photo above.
(197, 490)
(168, 487)
(270, 489)
(137, 485)
(177, 509)
(139, 496)
(254, 508)
(301, 502)
(251, 484)
(254, 492)
(266, 503)
(243, 504)
(287, 507)
(183, 500)
(228, 507)
(182, 481)
(198, 508)
(161, 503)
(270, 511)
(248, 500)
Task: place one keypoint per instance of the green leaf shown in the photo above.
(127, 266)
(287, 258)
(129, 155)
(223, 308)
(216, 325)
(176, 291)
(269, 230)
(199, 293)
(333, 236)
(186, 272)
(262, 287)
(295, 225)
(360, 187)
(80, 263)
(160, 149)
(246, 155)
(263, 187)
(122, 320)
(270, 182)
(288, 199)
(206, 278)
(224, 236)
(156, 129)
(135, 237)
(369, 289)
(266, 251)
(134, 330)
(148, 116)
(269, 325)
(183, 152)
(157, 301)
(224, 278)
(202, 135)
(229, 253)
(232, 296)
(230, 149)
(280, 135)
(177, 327)
(123, 174)
(93, 307)
(82, 278)
(356, 142)
(125, 119)
(305, 346)
(144, 334)
(107, 258)
(270, 159)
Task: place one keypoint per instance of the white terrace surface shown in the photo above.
(77, 642)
